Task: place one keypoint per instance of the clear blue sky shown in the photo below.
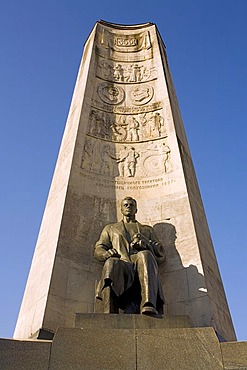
(41, 44)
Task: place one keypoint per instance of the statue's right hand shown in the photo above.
(112, 253)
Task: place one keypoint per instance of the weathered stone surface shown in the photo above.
(125, 321)
(124, 106)
(174, 349)
(234, 355)
(93, 349)
(24, 355)
(98, 347)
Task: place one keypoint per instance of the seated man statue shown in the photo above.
(130, 252)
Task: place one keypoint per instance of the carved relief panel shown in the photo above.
(156, 159)
(99, 157)
(124, 47)
(110, 93)
(126, 128)
(120, 160)
(125, 72)
(116, 94)
(127, 125)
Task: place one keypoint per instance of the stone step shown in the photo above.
(129, 321)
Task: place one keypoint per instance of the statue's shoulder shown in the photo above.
(113, 225)
(143, 225)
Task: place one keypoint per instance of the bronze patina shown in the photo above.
(131, 253)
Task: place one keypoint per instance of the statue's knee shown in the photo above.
(112, 261)
(113, 265)
(146, 257)
(145, 254)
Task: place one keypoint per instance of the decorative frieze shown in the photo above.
(120, 160)
(110, 93)
(128, 73)
(125, 43)
(124, 47)
(126, 128)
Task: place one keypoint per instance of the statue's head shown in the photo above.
(128, 206)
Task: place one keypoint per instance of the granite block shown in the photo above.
(173, 349)
(126, 321)
(24, 355)
(93, 349)
(234, 355)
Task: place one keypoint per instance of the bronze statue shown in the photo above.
(130, 252)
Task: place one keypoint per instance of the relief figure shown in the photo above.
(106, 165)
(95, 123)
(166, 151)
(87, 159)
(157, 124)
(131, 162)
(110, 93)
(118, 72)
(132, 129)
(118, 127)
(99, 124)
(91, 159)
(141, 94)
(126, 160)
(128, 73)
(123, 154)
(136, 73)
(156, 158)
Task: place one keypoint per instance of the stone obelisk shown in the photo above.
(124, 136)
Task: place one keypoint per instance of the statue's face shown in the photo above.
(128, 207)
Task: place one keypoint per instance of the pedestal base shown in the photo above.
(125, 342)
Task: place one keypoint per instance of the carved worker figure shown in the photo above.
(130, 252)
(131, 162)
(158, 123)
(106, 160)
(123, 154)
(132, 129)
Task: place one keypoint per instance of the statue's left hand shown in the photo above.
(157, 248)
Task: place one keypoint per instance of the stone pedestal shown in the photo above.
(125, 342)
(131, 349)
(24, 354)
(115, 321)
